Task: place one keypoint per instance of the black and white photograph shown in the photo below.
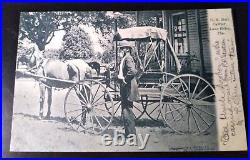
(127, 81)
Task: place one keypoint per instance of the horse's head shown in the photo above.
(96, 66)
(35, 60)
(32, 61)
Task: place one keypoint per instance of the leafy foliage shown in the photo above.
(39, 27)
(108, 56)
(77, 44)
(52, 53)
(24, 49)
(105, 26)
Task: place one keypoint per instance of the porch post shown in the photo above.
(202, 70)
(166, 56)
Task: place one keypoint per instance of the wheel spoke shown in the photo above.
(92, 123)
(96, 93)
(73, 110)
(174, 110)
(201, 117)
(195, 88)
(181, 81)
(138, 109)
(171, 112)
(165, 111)
(195, 121)
(99, 98)
(154, 109)
(103, 117)
(78, 98)
(178, 115)
(203, 111)
(134, 115)
(114, 105)
(76, 117)
(117, 108)
(207, 97)
(101, 109)
(181, 100)
(177, 91)
(201, 92)
(86, 93)
(202, 103)
(184, 91)
(82, 103)
(99, 104)
(79, 92)
(98, 122)
(188, 110)
(158, 115)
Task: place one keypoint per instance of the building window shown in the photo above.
(179, 33)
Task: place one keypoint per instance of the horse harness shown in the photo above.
(41, 66)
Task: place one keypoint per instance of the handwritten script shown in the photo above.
(226, 80)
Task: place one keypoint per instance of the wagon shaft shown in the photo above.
(25, 73)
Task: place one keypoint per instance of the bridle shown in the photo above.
(35, 68)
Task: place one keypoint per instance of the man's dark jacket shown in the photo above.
(130, 90)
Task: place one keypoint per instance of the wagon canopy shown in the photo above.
(145, 33)
(141, 33)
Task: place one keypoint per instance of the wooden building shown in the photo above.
(188, 32)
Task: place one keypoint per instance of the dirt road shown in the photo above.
(54, 135)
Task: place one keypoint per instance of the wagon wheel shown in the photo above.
(114, 87)
(84, 107)
(138, 109)
(188, 104)
(152, 108)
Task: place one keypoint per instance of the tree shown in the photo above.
(108, 56)
(104, 24)
(24, 47)
(77, 44)
(39, 27)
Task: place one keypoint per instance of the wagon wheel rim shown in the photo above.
(194, 104)
(136, 108)
(153, 108)
(117, 104)
(91, 117)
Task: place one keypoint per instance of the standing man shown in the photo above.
(128, 88)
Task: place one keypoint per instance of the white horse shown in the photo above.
(76, 70)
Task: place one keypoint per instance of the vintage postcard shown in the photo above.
(127, 81)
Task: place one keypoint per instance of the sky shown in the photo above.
(56, 42)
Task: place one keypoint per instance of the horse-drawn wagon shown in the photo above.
(183, 102)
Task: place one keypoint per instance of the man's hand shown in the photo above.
(122, 80)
